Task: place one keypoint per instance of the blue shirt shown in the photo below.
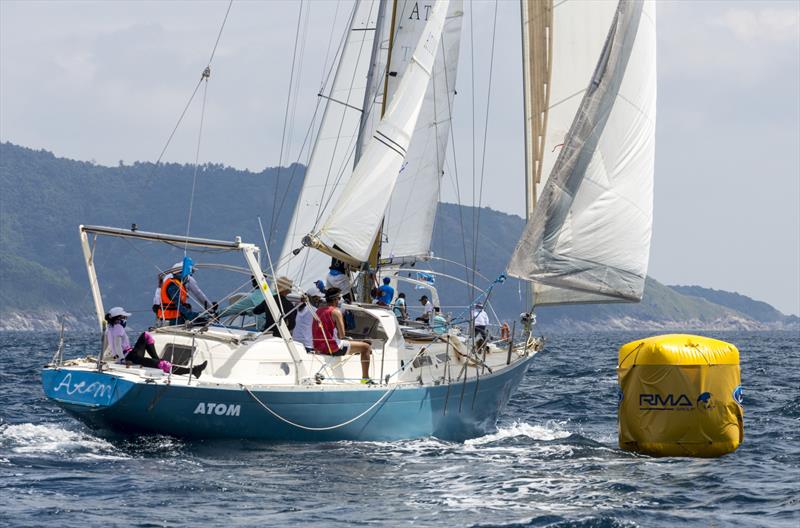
(439, 325)
(245, 306)
(385, 294)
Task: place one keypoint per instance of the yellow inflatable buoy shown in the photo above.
(680, 396)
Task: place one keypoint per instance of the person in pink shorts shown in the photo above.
(120, 347)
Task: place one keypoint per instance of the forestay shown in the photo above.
(409, 219)
(331, 161)
(356, 218)
(589, 237)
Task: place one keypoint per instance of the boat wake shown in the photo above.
(550, 430)
(52, 440)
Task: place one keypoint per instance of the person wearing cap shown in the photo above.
(385, 294)
(285, 306)
(305, 318)
(119, 347)
(481, 321)
(427, 310)
(338, 276)
(246, 306)
(328, 332)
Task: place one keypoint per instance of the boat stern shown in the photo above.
(79, 389)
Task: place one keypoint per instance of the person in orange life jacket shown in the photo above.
(175, 308)
(285, 306)
(190, 283)
(120, 347)
(328, 331)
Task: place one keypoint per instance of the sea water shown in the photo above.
(554, 460)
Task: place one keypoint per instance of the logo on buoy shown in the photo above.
(737, 395)
(704, 401)
(659, 402)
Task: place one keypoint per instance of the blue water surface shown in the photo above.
(554, 460)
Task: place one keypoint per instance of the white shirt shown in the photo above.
(117, 342)
(481, 319)
(427, 307)
(302, 326)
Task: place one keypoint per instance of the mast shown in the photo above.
(332, 154)
(536, 18)
(366, 276)
(356, 217)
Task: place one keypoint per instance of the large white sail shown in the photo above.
(589, 237)
(331, 161)
(354, 222)
(409, 219)
(536, 17)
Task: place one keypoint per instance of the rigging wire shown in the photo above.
(472, 95)
(206, 75)
(309, 138)
(321, 209)
(194, 92)
(485, 135)
(285, 119)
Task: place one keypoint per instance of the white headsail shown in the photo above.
(409, 219)
(589, 237)
(331, 162)
(354, 222)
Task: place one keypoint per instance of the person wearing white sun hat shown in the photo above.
(119, 347)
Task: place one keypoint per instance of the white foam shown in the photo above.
(550, 430)
(50, 439)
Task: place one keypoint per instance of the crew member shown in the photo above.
(120, 348)
(285, 306)
(427, 310)
(305, 318)
(247, 305)
(439, 324)
(385, 293)
(328, 332)
(174, 308)
(481, 321)
(399, 308)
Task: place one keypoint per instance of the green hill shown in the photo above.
(758, 310)
(43, 199)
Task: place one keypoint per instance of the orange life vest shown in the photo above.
(505, 332)
(168, 310)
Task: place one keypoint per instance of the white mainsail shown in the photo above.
(331, 161)
(589, 237)
(357, 216)
(409, 219)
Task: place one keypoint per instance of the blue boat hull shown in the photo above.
(455, 412)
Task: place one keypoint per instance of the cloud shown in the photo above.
(770, 25)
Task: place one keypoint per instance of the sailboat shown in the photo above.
(369, 201)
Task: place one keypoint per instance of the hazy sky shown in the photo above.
(107, 80)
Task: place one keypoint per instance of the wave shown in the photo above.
(550, 430)
(53, 440)
(553, 521)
